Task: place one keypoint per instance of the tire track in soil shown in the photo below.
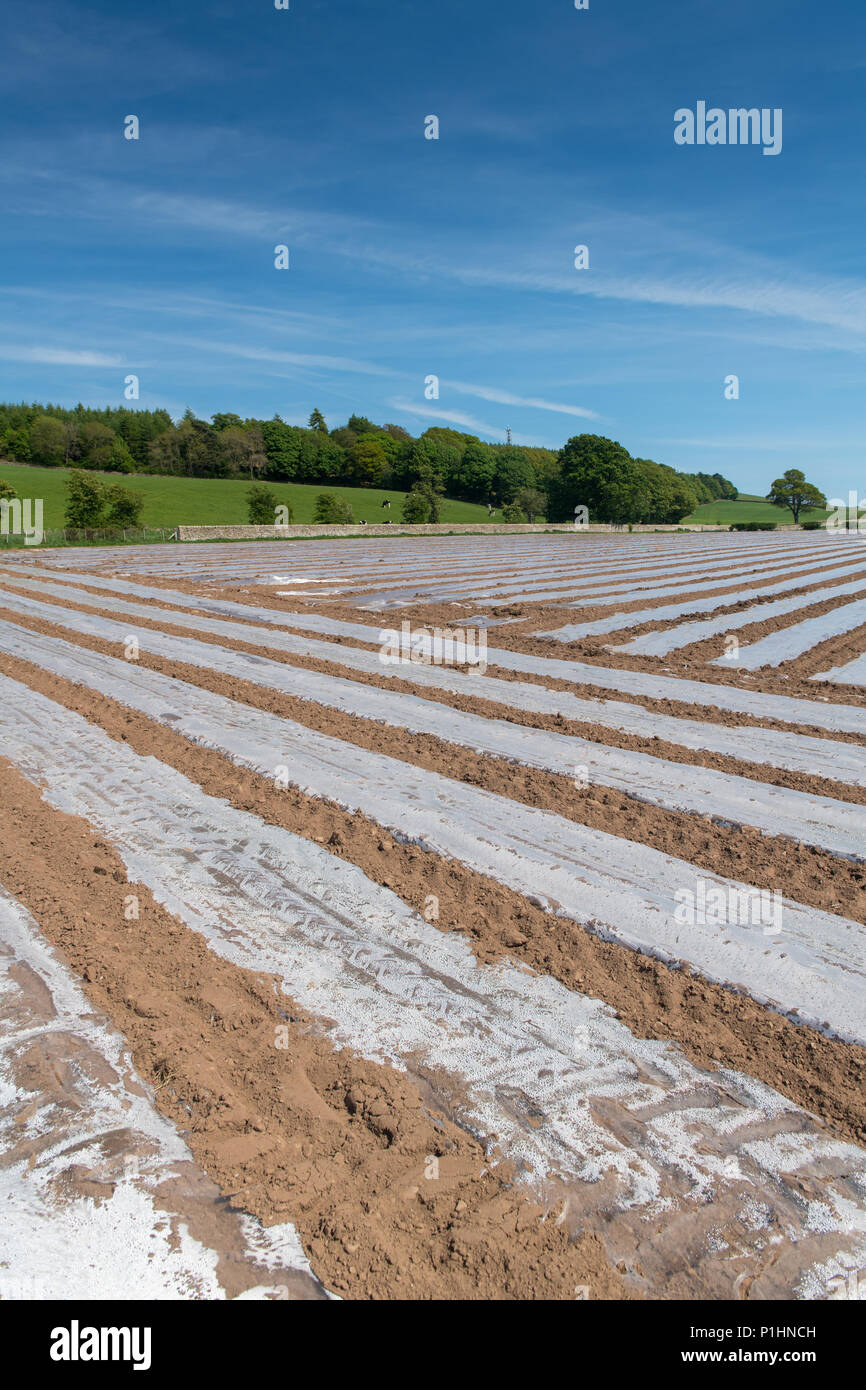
(630, 1123)
(713, 1024)
(310, 1133)
(803, 872)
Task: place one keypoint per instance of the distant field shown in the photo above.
(748, 508)
(216, 501)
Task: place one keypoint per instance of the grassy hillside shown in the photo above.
(173, 502)
(214, 501)
(748, 508)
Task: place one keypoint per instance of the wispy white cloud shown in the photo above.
(491, 393)
(840, 305)
(457, 417)
(306, 226)
(290, 359)
(58, 357)
(328, 362)
(757, 287)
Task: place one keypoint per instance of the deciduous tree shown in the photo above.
(792, 491)
(84, 500)
(261, 506)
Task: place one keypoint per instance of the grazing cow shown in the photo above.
(387, 503)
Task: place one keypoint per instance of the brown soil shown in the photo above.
(307, 1133)
(714, 1025)
(572, 607)
(808, 874)
(518, 636)
(489, 709)
(836, 651)
(712, 647)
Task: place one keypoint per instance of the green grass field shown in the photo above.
(171, 502)
(215, 501)
(748, 508)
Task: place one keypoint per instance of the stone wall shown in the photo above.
(252, 533)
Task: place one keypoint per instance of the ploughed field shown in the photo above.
(456, 917)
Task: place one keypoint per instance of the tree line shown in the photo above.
(523, 483)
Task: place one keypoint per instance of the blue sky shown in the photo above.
(412, 257)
